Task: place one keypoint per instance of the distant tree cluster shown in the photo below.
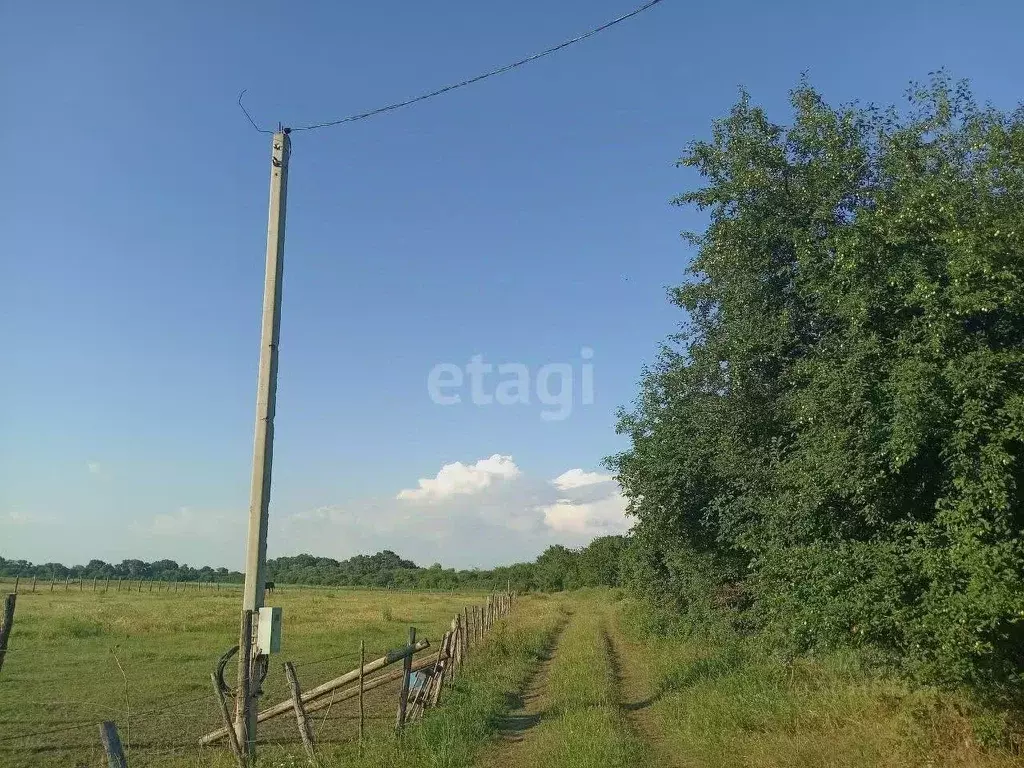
(831, 452)
(159, 570)
(558, 568)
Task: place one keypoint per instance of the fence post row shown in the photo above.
(437, 671)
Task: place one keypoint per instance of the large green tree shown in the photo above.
(833, 440)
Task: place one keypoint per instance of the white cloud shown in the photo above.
(18, 518)
(459, 479)
(591, 505)
(482, 514)
(188, 523)
(604, 517)
(578, 478)
(93, 467)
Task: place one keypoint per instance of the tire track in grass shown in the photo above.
(528, 709)
(637, 691)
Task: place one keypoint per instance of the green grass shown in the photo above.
(727, 702)
(62, 673)
(719, 701)
(453, 735)
(583, 726)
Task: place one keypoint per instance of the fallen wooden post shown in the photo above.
(369, 685)
(321, 690)
(300, 712)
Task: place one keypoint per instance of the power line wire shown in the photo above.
(454, 86)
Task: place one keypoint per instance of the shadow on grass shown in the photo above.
(726, 661)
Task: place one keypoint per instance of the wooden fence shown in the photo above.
(421, 680)
(424, 674)
(117, 584)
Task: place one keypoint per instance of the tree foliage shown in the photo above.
(557, 568)
(831, 446)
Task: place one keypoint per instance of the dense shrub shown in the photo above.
(837, 428)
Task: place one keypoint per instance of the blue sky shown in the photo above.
(523, 219)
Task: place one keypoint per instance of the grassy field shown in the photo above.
(144, 660)
(568, 681)
(613, 696)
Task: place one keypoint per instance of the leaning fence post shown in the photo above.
(67, 583)
(362, 663)
(16, 580)
(457, 645)
(300, 711)
(437, 679)
(427, 694)
(226, 717)
(34, 583)
(465, 625)
(112, 745)
(5, 627)
(403, 694)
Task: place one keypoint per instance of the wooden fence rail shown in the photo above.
(322, 690)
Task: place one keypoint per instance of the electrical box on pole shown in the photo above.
(268, 631)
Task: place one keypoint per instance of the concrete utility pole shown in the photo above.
(263, 445)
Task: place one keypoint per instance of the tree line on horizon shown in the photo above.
(557, 568)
